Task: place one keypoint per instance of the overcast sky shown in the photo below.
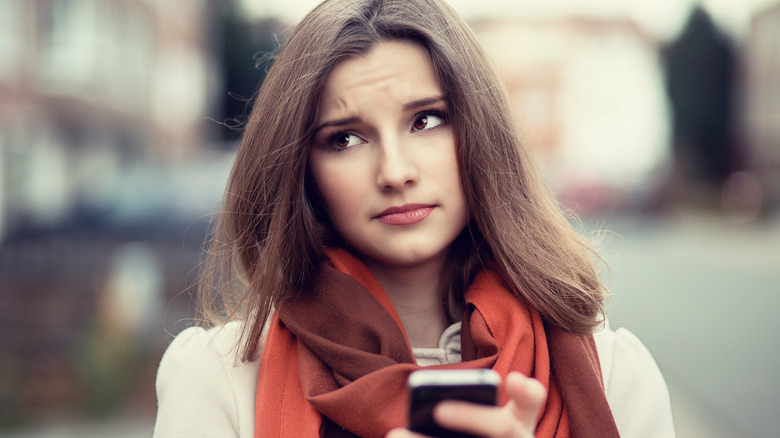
(661, 18)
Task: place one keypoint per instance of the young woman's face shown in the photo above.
(384, 157)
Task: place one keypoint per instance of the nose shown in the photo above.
(396, 168)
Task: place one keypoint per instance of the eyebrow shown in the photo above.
(354, 119)
(338, 122)
(422, 102)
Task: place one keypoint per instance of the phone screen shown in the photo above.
(477, 386)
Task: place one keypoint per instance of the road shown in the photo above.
(702, 294)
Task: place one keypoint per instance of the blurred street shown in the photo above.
(700, 293)
(71, 428)
(656, 122)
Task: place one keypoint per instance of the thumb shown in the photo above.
(526, 398)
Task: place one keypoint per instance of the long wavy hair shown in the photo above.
(270, 236)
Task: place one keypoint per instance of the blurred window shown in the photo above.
(135, 41)
(11, 38)
(69, 38)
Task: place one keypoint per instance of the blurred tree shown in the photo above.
(700, 73)
(245, 51)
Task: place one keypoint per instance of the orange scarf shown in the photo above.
(336, 359)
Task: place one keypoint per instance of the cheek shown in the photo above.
(450, 168)
(447, 168)
(334, 196)
(338, 191)
(450, 175)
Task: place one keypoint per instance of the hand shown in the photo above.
(516, 419)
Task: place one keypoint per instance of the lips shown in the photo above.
(405, 215)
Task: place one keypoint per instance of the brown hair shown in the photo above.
(270, 237)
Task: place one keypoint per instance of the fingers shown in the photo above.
(475, 419)
(527, 397)
(516, 419)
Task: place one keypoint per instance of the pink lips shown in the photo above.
(405, 215)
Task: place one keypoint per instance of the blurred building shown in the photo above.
(103, 134)
(88, 87)
(590, 100)
(762, 104)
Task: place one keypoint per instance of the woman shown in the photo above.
(381, 215)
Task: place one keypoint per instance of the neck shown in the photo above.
(416, 294)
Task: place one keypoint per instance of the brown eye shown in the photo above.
(428, 120)
(421, 122)
(341, 141)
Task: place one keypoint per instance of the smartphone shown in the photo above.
(429, 387)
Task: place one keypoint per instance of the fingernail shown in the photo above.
(445, 411)
(396, 433)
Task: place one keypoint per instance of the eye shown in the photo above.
(344, 140)
(428, 120)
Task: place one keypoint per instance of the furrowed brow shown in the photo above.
(354, 119)
(337, 122)
(422, 102)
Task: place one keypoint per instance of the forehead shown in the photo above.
(399, 70)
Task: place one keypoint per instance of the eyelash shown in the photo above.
(331, 141)
(432, 112)
(332, 138)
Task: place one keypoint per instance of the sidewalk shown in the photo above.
(702, 294)
(79, 428)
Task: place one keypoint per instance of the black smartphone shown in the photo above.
(429, 387)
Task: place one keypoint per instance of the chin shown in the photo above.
(406, 256)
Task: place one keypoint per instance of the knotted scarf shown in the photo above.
(336, 359)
